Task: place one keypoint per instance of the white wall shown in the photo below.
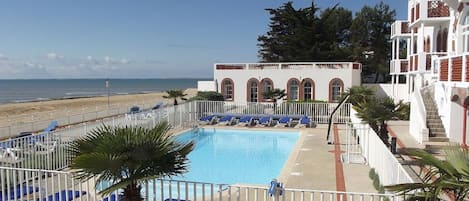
(451, 113)
(321, 78)
(206, 86)
(384, 89)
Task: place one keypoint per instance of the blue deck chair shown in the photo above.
(245, 121)
(17, 192)
(113, 197)
(52, 126)
(174, 199)
(157, 106)
(265, 121)
(284, 121)
(305, 122)
(207, 120)
(64, 195)
(134, 109)
(226, 120)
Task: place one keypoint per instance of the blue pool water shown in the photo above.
(237, 156)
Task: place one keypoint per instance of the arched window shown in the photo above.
(336, 87)
(252, 90)
(445, 40)
(307, 95)
(465, 32)
(266, 85)
(227, 89)
(293, 89)
(426, 44)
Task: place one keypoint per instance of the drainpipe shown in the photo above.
(463, 144)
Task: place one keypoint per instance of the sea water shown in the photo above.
(28, 90)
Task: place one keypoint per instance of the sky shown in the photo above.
(63, 39)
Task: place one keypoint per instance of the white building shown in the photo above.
(431, 50)
(246, 82)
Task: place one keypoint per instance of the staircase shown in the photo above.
(437, 136)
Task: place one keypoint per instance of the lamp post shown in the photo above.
(107, 88)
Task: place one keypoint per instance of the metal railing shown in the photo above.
(38, 121)
(31, 184)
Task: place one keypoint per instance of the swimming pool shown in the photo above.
(225, 156)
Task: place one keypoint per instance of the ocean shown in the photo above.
(15, 91)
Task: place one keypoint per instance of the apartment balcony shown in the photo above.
(454, 68)
(288, 66)
(400, 28)
(422, 62)
(399, 66)
(428, 11)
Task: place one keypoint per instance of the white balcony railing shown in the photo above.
(288, 66)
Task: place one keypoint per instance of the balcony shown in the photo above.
(454, 69)
(429, 10)
(422, 62)
(288, 66)
(399, 66)
(400, 28)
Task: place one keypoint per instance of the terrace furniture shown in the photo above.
(305, 122)
(52, 126)
(284, 121)
(207, 120)
(17, 192)
(226, 120)
(113, 197)
(265, 121)
(64, 195)
(245, 121)
(158, 106)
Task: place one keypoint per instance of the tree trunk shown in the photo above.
(132, 193)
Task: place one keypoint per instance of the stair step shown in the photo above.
(438, 139)
(436, 145)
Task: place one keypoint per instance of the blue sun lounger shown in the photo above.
(265, 121)
(207, 120)
(305, 122)
(17, 192)
(245, 121)
(113, 197)
(226, 120)
(52, 126)
(284, 121)
(64, 195)
(174, 199)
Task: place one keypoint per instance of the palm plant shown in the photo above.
(450, 176)
(274, 94)
(359, 94)
(175, 94)
(128, 156)
(376, 112)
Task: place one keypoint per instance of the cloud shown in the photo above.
(3, 57)
(54, 56)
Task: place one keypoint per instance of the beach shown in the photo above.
(13, 114)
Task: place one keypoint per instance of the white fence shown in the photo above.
(32, 184)
(40, 120)
(377, 154)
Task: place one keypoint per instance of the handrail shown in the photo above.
(332, 116)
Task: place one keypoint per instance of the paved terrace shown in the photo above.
(313, 164)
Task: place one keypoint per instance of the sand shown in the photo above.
(23, 113)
